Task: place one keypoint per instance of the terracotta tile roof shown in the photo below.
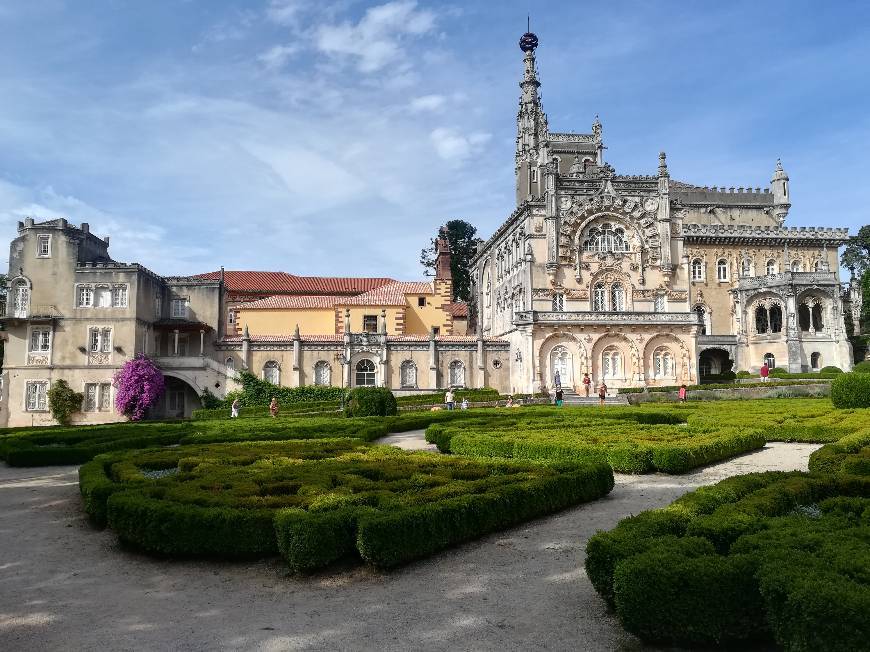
(458, 309)
(284, 338)
(447, 339)
(392, 294)
(292, 302)
(284, 283)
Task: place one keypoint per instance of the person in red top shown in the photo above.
(765, 373)
(587, 383)
(682, 393)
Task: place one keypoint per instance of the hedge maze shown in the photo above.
(318, 501)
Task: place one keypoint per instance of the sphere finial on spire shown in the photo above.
(528, 41)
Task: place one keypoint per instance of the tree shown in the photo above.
(856, 255)
(463, 241)
(63, 401)
(139, 385)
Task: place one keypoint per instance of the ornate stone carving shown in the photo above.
(95, 358)
(37, 359)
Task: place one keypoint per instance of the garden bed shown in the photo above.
(319, 501)
(781, 556)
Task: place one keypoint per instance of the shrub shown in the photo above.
(862, 367)
(256, 391)
(851, 390)
(779, 556)
(209, 401)
(138, 386)
(832, 370)
(370, 401)
(63, 401)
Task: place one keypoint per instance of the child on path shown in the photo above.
(273, 407)
(464, 404)
(682, 393)
(602, 393)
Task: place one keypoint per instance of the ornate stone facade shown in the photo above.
(640, 279)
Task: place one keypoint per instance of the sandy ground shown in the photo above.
(66, 586)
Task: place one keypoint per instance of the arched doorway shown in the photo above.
(179, 400)
(712, 363)
(562, 363)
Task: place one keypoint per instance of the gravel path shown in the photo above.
(64, 585)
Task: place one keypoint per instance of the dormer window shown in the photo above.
(43, 246)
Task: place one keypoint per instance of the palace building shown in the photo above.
(634, 279)
(645, 280)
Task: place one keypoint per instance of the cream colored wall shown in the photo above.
(395, 317)
(283, 322)
(419, 321)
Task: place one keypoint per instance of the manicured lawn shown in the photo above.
(317, 501)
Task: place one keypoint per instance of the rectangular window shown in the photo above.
(103, 298)
(40, 340)
(98, 397)
(158, 305)
(105, 397)
(436, 330)
(91, 390)
(179, 309)
(36, 396)
(43, 246)
(100, 340)
(421, 302)
(370, 323)
(119, 296)
(182, 345)
(231, 317)
(86, 296)
(175, 402)
(558, 302)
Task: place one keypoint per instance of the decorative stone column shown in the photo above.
(297, 357)
(246, 348)
(175, 343)
(481, 363)
(201, 343)
(793, 343)
(433, 361)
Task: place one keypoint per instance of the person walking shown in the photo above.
(235, 407)
(557, 381)
(602, 393)
(765, 373)
(450, 399)
(587, 383)
(559, 396)
(682, 393)
(273, 407)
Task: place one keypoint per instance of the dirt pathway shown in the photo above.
(64, 585)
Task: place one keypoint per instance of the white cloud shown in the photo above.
(277, 56)
(376, 40)
(284, 12)
(428, 103)
(454, 146)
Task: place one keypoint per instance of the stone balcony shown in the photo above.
(607, 318)
(788, 278)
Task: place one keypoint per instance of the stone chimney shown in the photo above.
(442, 257)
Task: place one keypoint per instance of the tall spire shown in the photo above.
(531, 122)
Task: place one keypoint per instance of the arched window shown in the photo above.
(818, 326)
(606, 238)
(617, 298)
(322, 373)
(775, 319)
(722, 270)
(408, 373)
(487, 291)
(702, 317)
(611, 363)
(761, 325)
(771, 267)
(795, 265)
(365, 373)
(804, 318)
(663, 363)
(815, 360)
(272, 372)
(746, 268)
(697, 270)
(659, 304)
(599, 297)
(20, 299)
(457, 374)
(769, 360)
(230, 363)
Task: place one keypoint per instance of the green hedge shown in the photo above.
(370, 402)
(862, 367)
(754, 558)
(317, 501)
(851, 390)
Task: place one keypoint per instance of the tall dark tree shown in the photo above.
(463, 241)
(856, 255)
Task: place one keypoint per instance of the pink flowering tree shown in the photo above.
(138, 386)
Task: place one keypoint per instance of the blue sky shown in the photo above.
(334, 137)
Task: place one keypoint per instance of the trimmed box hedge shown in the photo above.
(317, 501)
(851, 390)
(764, 557)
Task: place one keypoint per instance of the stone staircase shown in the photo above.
(573, 399)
